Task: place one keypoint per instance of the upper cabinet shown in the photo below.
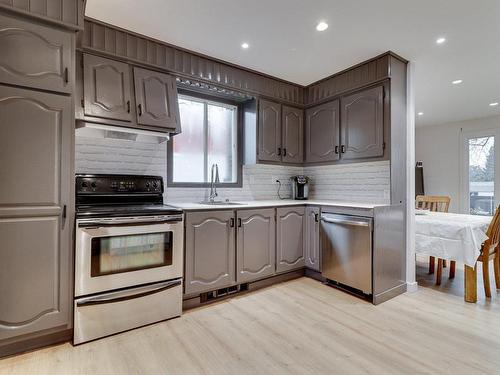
(111, 94)
(362, 124)
(322, 132)
(156, 99)
(292, 135)
(269, 131)
(281, 133)
(349, 129)
(106, 88)
(35, 56)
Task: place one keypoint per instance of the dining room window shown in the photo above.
(480, 182)
(210, 135)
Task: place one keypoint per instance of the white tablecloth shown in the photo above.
(451, 236)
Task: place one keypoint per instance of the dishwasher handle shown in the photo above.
(346, 220)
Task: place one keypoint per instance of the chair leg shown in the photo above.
(453, 265)
(486, 277)
(444, 263)
(470, 284)
(432, 262)
(496, 264)
(439, 272)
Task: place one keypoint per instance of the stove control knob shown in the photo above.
(147, 184)
(155, 184)
(84, 184)
(93, 185)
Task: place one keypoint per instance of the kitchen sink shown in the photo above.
(221, 203)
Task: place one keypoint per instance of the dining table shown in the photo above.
(453, 237)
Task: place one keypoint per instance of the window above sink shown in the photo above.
(211, 135)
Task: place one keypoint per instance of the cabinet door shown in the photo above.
(36, 56)
(322, 132)
(293, 135)
(291, 239)
(156, 99)
(256, 247)
(312, 238)
(210, 251)
(36, 135)
(362, 125)
(269, 131)
(106, 88)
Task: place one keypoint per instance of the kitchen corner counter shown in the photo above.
(242, 205)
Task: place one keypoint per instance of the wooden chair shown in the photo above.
(436, 203)
(490, 250)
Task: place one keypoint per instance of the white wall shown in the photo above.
(361, 182)
(438, 147)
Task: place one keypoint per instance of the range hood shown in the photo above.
(89, 129)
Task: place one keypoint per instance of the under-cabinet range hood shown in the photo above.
(89, 129)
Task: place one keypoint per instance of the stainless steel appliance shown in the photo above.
(300, 187)
(346, 246)
(128, 255)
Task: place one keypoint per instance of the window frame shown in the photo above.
(239, 145)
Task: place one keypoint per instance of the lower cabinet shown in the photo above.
(210, 253)
(36, 215)
(225, 248)
(291, 239)
(312, 252)
(256, 244)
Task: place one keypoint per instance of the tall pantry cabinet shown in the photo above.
(36, 171)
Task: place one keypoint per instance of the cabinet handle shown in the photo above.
(284, 152)
(66, 75)
(231, 222)
(316, 218)
(239, 223)
(279, 151)
(140, 109)
(128, 106)
(336, 149)
(342, 149)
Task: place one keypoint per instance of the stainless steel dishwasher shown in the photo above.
(346, 247)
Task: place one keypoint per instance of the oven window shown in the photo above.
(119, 254)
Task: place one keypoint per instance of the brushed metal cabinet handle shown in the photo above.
(128, 106)
(140, 109)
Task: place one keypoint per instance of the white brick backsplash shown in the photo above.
(360, 182)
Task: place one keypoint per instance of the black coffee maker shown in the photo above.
(300, 187)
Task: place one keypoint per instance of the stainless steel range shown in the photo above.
(128, 255)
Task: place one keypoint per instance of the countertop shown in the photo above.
(193, 206)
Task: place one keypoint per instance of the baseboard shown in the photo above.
(411, 287)
(32, 343)
(389, 294)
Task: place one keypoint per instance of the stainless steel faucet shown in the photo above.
(214, 179)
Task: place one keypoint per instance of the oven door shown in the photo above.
(126, 252)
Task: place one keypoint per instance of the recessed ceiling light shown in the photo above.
(440, 40)
(420, 113)
(322, 26)
(457, 81)
(245, 45)
(494, 104)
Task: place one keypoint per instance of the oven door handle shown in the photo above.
(127, 295)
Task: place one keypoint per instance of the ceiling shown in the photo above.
(283, 41)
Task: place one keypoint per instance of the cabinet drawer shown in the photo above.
(35, 56)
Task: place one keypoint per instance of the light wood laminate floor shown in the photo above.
(297, 327)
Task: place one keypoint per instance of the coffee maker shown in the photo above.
(300, 187)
